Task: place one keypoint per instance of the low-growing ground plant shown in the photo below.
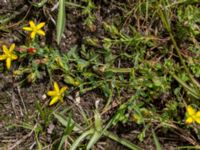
(100, 75)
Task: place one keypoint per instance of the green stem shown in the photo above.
(120, 70)
(187, 147)
(74, 4)
(193, 92)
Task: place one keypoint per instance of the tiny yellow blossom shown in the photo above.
(137, 118)
(57, 93)
(8, 55)
(35, 29)
(192, 115)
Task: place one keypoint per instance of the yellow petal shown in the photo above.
(8, 63)
(3, 57)
(14, 57)
(5, 50)
(32, 24)
(41, 32)
(191, 111)
(63, 89)
(189, 120)
(197, 117)
(52, 93)
(198, 114)
(27, 29)
(40, 25)
(56, 87)
(54, 100)
(12, 47)
(197, 120)
(33, 34)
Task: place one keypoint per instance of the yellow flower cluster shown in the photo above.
(8, 54)
(192, 115)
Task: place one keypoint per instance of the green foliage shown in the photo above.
(44, 113)
(88, 12)
(189, 16)
(143, 67)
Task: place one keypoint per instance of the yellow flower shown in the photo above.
(35, 29)
(57, 93)
(192, 115)
(137, 118)
(8, 55)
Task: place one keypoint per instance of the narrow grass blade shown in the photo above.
(60, 26)
(39, 145)
(61, 119)
(64, 122)
(157, 143)
(96, 136)
(81, 138)
(187, 147)
(67, 131)
(62, 141)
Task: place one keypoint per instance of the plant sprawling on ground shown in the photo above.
(124, 73)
